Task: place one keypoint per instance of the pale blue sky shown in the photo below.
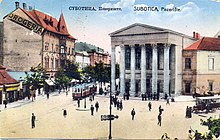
(202, 16)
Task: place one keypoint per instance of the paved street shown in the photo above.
(15, 122)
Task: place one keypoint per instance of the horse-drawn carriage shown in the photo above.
(207, 104)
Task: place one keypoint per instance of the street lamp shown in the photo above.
(110, 113)
(85, 103)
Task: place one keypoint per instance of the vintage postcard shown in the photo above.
(110, 69)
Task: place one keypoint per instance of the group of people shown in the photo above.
(117, 103)
(92, 108)
(188, 112)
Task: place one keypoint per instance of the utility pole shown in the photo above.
(110, 113)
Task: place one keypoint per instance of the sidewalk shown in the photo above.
(27, 101)
(19, 103)
(181, 98)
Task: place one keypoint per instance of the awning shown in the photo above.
(50, 82)
(74, 80)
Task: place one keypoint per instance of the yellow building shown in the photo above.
(201, 67)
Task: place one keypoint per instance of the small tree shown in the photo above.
(72, 70)
(35, 80)
(213, 126)
(61, 79)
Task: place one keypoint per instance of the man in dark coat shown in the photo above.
(78, 102)
(132, 114)
(92, 110)
(33, 118)
(149, 106)
(160, 110)
(97, 106)
(159, 119)
(64, 113)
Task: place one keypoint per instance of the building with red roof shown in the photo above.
(33, 38)
(201, 69)
(8, 86)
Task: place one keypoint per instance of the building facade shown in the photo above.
(96, 54)
(82, 58)
(150, 60)
(201, 69)
(33, 38)
(9, 87)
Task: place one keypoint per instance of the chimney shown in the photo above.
(16, 4)
(198, 36)
(30, 8)
(24, 6)
(194, 34)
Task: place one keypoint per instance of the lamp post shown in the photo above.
(85, 103)
(110, 113)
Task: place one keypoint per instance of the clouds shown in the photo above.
(217, 0)
(120, 4)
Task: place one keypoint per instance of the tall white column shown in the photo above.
(143, 69)
(132, 90)
(166, 69)
(154, 69)
(122, 71)
(113, 89)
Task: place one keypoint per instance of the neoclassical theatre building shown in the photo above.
(150, 60)
(32, 38)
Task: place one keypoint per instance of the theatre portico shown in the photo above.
(150, 60)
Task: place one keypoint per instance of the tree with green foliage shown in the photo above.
(36, 80)
(72, 70)
(61, 79)
(213, 126)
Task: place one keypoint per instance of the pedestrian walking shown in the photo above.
(5, 102)
(33, 118)
(168, 101)
(160, 110)
(120, 105)
(159, 119)
(187, 112)
(48, 95)
(149, 106)
(64, 113)
(92, 110)
(190, 112)
(78, 102)
(190, 136)
(97, 106)
(132, 114)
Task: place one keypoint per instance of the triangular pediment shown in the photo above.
(137, 29)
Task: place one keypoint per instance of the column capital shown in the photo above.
(142, 45)
(154, 45)
(167, 45)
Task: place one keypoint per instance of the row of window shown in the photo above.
(210, 63)
(160, 59)
(57, 49)
(49, 63)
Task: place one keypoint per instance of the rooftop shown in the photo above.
(5, 78)
(48, 22)
(206, 43)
